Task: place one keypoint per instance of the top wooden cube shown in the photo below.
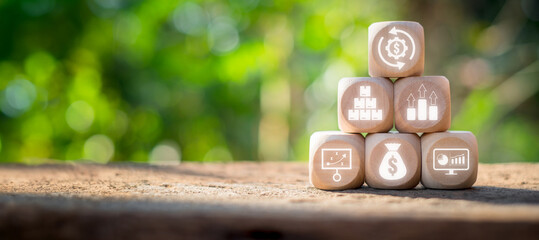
(396, 49)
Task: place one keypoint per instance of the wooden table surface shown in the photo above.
(247, 200)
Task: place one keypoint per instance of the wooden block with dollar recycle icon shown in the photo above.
(396, 49)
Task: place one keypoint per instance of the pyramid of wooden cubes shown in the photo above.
(422, 150)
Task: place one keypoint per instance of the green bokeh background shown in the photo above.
(162, 81)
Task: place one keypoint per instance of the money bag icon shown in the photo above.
(392, 166)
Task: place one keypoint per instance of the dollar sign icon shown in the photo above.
(392, 166)
(396, 48)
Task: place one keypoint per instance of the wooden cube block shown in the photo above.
(449, 160)
(365, 105)
(422, 104)
(336, 160)
(396, 49)
(392, 160)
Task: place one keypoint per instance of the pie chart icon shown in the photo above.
(442, 159)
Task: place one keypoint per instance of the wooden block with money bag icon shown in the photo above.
(392, 160)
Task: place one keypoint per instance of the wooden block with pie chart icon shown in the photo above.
(336, 160)
(392, 160)
(422, 104)
(396, 49)
(449, 160)
(365, 105)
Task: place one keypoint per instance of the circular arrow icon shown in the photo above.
(397, 47)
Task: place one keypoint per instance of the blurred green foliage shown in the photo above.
(164, 80)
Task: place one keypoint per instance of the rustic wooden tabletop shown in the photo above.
(255, 201)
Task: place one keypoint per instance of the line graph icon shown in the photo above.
(337, 159)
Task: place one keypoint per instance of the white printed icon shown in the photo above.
(397, 48)
(451, 160)
(392, 166)
(421, 113)
(364, 106)
(336, 159)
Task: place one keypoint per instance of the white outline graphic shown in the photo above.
(365, 107)
(394, 31)
(396, 55)
(337, 177)
(392, 166)
(456, 160)
(424, 110)
(398, 64)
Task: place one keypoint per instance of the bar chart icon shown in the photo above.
(426, 109)
(459, 159)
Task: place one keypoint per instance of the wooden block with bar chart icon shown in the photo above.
(396, 49)
(422, 104)
(336, 160)
(449, 160)
(365, 105)
(392, 160)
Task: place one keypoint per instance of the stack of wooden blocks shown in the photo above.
(419, 106)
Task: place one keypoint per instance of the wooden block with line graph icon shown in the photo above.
(396, 49)
(365, 105)
(449, 160)
(422, 104)
(392, 160)
(336, 160)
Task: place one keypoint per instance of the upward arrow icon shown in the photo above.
(433, 98)
(422, 90)
(410, 100)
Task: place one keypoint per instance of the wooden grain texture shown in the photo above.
(434, 93)
(340, 148)
(255, 201)
(375, 154)
(373, 96)
(380, 35)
